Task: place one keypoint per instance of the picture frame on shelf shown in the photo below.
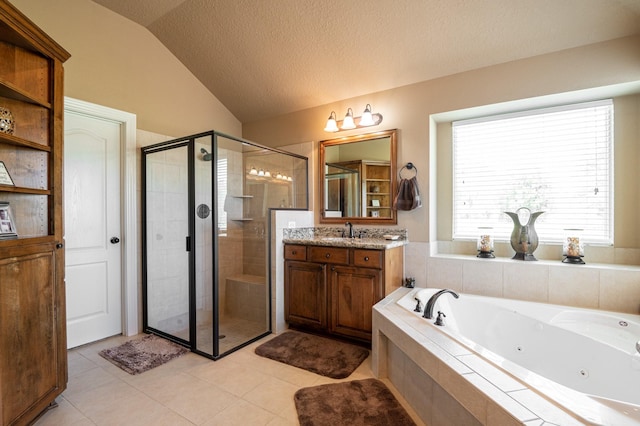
(5, 177)
(375, 213)
(7, 223)
(375, 203)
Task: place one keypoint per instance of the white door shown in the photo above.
(92, 228)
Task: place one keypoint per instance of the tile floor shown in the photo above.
(240, 389)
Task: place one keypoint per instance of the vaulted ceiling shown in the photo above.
(263, 58)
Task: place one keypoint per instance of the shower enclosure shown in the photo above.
(206, 203)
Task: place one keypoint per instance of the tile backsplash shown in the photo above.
(600, 286)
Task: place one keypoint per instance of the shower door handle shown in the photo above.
(188, 241)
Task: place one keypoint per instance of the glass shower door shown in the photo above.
(166, 264)
(206, 208)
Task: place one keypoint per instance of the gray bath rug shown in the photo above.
(140, 355)
(319, 355)
(357, 403)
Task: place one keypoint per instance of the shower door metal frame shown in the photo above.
(190, 142)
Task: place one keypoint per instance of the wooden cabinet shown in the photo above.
(332, 289)
(33, 360)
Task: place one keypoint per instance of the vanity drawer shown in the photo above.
(337, 255)
(295, 252)
(367, 258)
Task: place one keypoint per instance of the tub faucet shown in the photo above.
(638, 346)
(351, 233)
(428, 310)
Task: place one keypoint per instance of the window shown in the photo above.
(221, 190)
(557, 160)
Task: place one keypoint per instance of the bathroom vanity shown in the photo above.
(332, 283)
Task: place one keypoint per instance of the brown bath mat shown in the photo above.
(140, 355)
(319, 355)
(357, 403)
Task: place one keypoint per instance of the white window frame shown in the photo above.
(482, 146)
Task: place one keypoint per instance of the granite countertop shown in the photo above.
(367, 243)
(331, 237)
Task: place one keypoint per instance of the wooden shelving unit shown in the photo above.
(34, 370)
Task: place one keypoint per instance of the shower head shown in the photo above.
(206, 156)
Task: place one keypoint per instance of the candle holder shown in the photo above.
(485, 243)
(573, 247)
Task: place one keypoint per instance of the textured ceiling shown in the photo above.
(263, 58)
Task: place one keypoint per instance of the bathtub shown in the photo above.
(584, 362)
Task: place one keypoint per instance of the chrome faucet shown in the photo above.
(638, 346)
(428, 310)
(351, 233)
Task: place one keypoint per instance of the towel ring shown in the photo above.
(408, 166)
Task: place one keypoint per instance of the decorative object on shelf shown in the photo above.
(408, 196)
(375, 213)
(485, 243)
(375, 188)
(366, 120)
(7, 224)
(375, 203)
(524, 239)
(5, 178)
(573, 247)
(7, 124)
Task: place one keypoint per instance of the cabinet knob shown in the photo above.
(293, 252)
(328, 255)
(59, 245)
(115, 240)
(366, 258)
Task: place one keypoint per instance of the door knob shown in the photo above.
(115, 240)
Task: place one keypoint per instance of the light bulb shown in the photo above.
(367, 118)
(348, 122)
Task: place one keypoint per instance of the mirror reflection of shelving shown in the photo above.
(376, 188)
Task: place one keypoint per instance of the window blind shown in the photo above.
(221, 188)
(557, 160)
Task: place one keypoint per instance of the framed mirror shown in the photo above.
(358, 178)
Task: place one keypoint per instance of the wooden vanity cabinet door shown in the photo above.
(305, 294)
(353, 293)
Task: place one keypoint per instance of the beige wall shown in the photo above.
(410, 110)
(119, 64)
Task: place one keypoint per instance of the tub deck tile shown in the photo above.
(501, 380)
(543, 408)
(500, 398)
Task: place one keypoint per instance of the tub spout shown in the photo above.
(638, 346)
(428, 310)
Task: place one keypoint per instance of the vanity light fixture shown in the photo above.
(368, 119)
(348, 123)
(331, 126)
(263, 175)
